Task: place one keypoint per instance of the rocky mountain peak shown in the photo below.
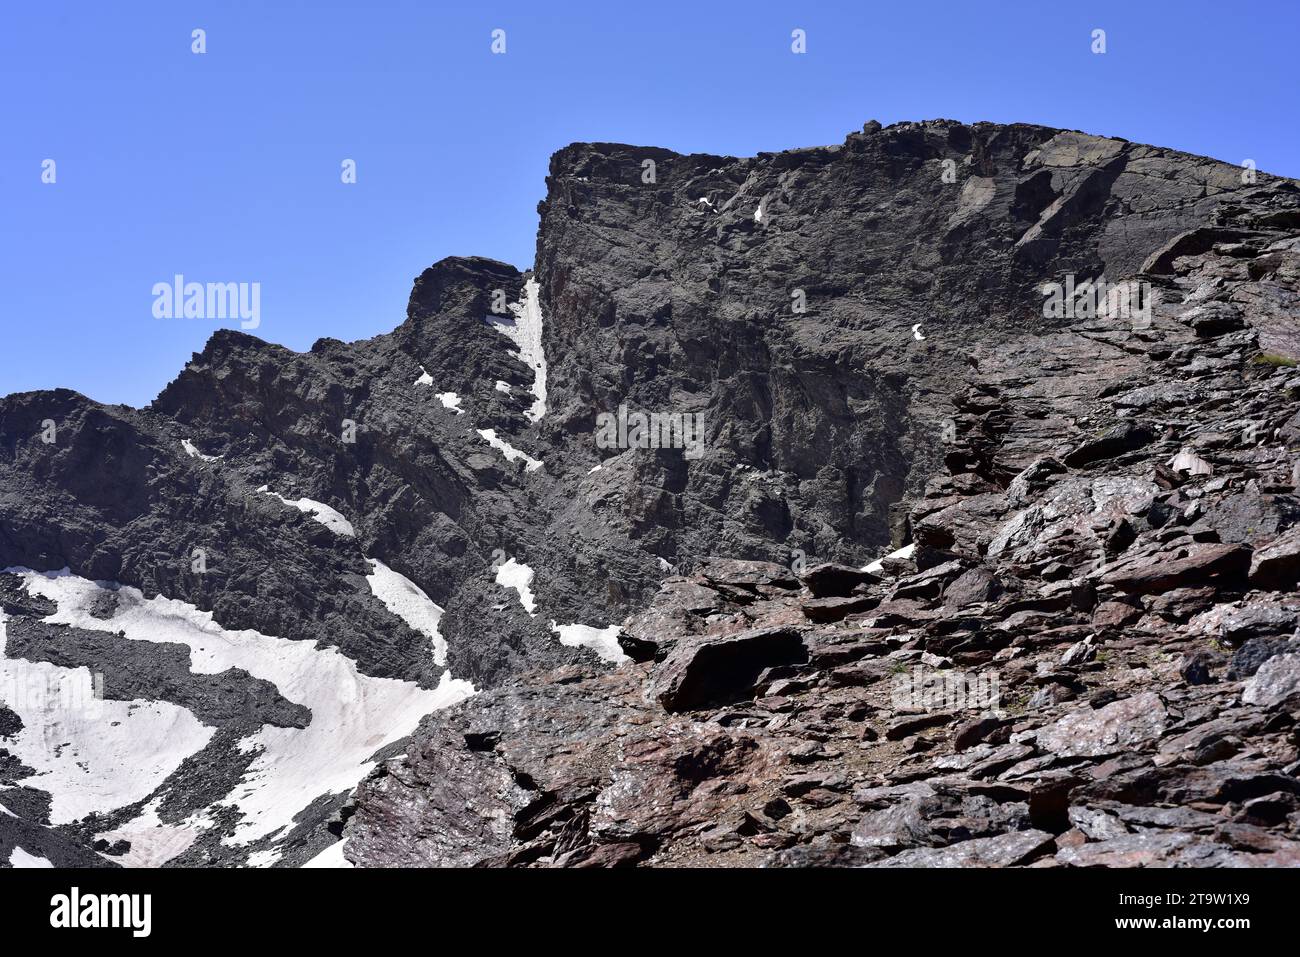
(633, 497)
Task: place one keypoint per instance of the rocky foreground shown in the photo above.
(1085, 657)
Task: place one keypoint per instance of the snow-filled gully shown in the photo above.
(92, 754)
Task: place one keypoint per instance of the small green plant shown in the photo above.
(1273, 359)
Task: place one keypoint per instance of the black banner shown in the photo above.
(143, 908)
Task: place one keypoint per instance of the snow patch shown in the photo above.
(264, 858)
(327, 516)
(425, 378)
(525, 331)
(407, 600)
(20, 858)
(503, 387)
(451, 401)
(603, 641)
(89, 753)
(154, 843)
(907, 551)
(332, 856)
(519, 576)
(509, 451)
(353, 715)
(194, 453)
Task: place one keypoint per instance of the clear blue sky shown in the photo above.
(225, 166)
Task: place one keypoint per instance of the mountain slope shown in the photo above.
(860, 330)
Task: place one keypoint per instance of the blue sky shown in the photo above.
(225, 166)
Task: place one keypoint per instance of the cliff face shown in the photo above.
(1086, 656)
(858, 331)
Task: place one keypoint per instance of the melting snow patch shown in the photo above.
(20, 858)
(90, 754)
(264, 858)
(595, 468)
(907, 551)
(509, 451)
(451, 401)
(525, 331)
(758, 214)
(329, 517)
(603, 641)
(332, 856)
(194, 453)
(154, 843)
(519, 576)
(503, 387)
(407, 600)
(425, 378)
(353, 715)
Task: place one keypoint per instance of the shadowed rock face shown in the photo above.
(860, 329)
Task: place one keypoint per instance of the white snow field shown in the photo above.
(407, 600)
(509, 451)
(525, 331)
(519, 576)
(20, 858)
(327, 516)
(353, 715)
(425, 378)
(88, 753)
(603, 641)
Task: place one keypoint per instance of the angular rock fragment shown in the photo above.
(1225, 563)
(830, 580)
(1276, 565)
(1125, 437)
(711, 670)
(1110, 730)
(1277, 679)
(1004, 850)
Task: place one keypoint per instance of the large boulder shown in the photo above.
(1194, 565)
(710, 670)
(1117, 727)
(1277, 564)
(1117, 440)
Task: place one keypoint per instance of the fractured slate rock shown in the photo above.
(1109, 730)
(1277, 565)
(712, 670)
(1125, 437)
(1276, 680)
(1199, 564)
